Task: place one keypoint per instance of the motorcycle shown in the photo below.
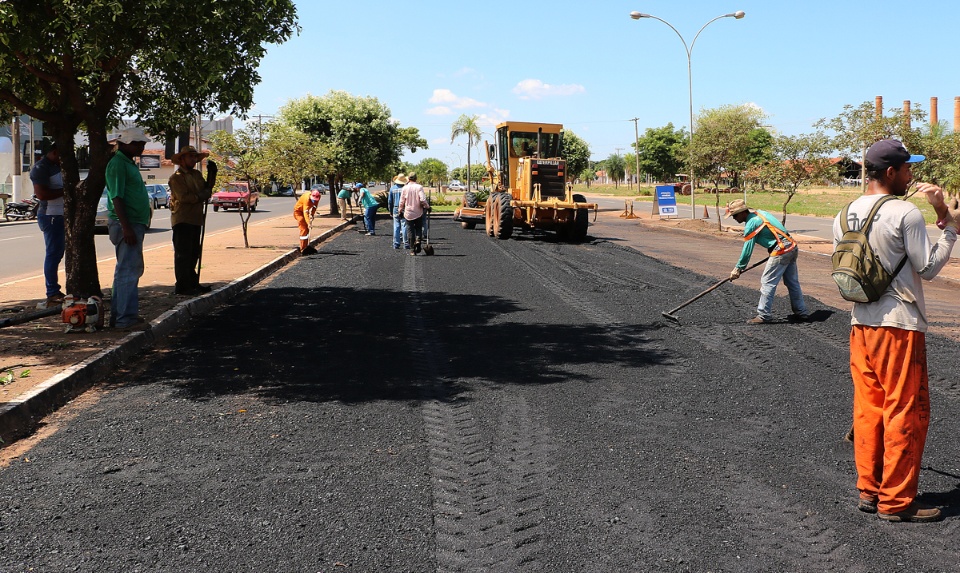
(22, 210)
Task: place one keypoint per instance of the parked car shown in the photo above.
(103, 214)
(456, 185)
(159, 195)
(241, 195)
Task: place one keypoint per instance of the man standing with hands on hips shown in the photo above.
(888, 354)
(129, 207)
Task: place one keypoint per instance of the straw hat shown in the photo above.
(400, 179)
(734, 207)
(188, 150)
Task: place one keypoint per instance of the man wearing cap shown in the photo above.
(762, 228)
(189, 193)
(304, 212)
(413, 204)
(393, 201)
(888, 356)
(343, 197)
(48, 187)
(129, 207)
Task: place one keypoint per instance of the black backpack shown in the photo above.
(857, 270)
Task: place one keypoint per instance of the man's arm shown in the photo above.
(45, 193)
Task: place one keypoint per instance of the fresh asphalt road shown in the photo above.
(21, 242)
(510, 405)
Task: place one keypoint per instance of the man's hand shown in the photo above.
(211, 174)
(934, 195)
(952, 218)
(129, 236)
(735, 274)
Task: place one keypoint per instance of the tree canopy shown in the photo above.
(361, 140)
(73, 64)
(662, 152)
(576, 152)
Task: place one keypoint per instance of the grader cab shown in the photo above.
(528, 186)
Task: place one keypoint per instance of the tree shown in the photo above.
(629, 167)
(859, 127)
(942, 150)
(614, 165)
(357, 133)
(723, 143)
(67, 64)
(662, 152)
(466, 125)
(588, 175)
(798, 160)
(576, 152)
(431, 171)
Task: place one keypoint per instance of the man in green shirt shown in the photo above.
(762, 228)
(129, 207)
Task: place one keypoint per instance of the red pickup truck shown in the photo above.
(241, 195)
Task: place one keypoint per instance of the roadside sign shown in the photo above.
(666, 200)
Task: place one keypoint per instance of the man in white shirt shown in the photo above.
(47, 181)
(413, 204)
(888, 357)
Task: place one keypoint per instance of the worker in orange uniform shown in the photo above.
(304, 212)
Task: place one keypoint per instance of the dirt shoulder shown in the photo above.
(37, 350)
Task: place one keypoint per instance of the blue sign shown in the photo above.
(666, 200)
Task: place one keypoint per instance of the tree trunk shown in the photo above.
(80, 210)
(332, 184)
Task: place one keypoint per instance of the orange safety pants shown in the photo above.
(304, 226)
(891, 412)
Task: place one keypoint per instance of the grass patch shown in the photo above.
(819, 202)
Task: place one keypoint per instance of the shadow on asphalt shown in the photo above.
(290, 344)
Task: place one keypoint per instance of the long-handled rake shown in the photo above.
(669, 314)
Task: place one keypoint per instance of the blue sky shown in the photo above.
(589, 66)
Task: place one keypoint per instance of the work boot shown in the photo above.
(915, 513)
(800, 317)
(416, 246)
(757, 320)
(867, 504)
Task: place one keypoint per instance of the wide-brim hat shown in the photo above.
(401, 179)
(188, 150)
(734, 207)
(131, 135)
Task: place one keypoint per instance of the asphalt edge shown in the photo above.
(20, 417)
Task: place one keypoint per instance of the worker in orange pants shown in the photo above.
(304, 212)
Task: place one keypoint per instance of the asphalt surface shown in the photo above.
(500, 406)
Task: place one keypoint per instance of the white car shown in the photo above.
(456, 185)
(103, 214)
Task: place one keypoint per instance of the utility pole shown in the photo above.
(17, 162)
(636, 149)
(617, 149)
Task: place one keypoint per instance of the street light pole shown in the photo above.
(689, 50)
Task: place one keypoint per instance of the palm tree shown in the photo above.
(466, 125)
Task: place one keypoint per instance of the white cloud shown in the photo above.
(439, 110)
(448, 98)
(536, 89)
(492, 119)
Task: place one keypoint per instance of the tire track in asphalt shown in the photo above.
(471, 525)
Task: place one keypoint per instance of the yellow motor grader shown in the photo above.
(528, 187)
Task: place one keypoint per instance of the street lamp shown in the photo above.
(689, 49)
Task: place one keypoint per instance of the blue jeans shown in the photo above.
(785, 267)
(124, 300)
(54, 239)
(398, 232)
(370, 218)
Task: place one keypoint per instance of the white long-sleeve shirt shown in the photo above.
(898, 230)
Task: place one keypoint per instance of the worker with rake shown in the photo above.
(762, 228)
(189, 193)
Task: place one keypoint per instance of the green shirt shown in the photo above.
(754, 231)
(124, 181)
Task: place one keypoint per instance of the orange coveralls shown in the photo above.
(303, 212)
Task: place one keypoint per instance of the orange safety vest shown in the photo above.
(780, 236)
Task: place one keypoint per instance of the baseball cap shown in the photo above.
(890, 153)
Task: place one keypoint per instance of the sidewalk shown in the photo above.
(46, 361)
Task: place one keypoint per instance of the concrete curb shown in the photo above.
(19, 417)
